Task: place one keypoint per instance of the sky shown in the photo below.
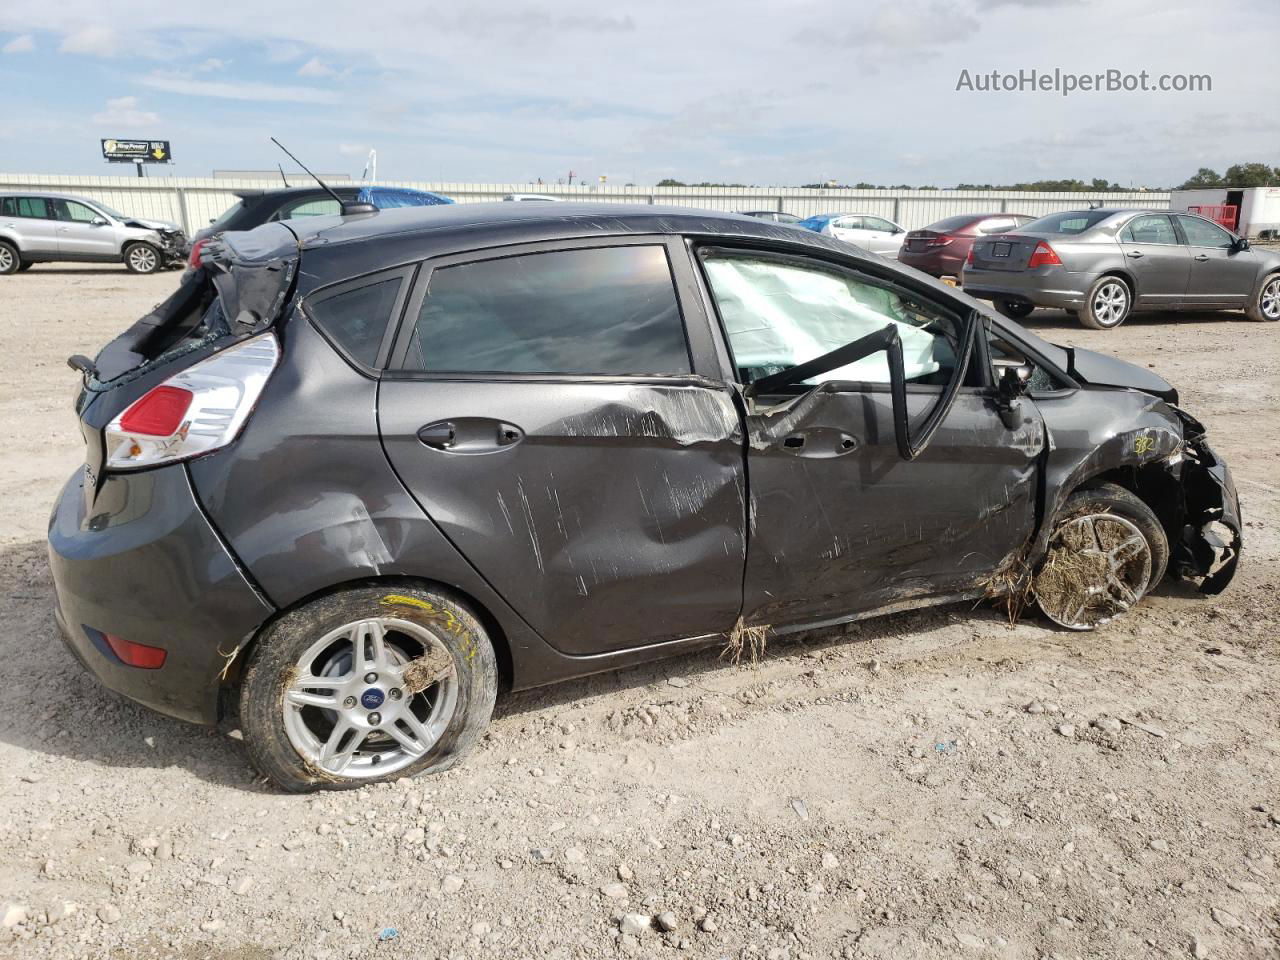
(778, 93)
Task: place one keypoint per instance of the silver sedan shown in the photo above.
(1102, 265)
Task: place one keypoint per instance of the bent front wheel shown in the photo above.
(364, 685)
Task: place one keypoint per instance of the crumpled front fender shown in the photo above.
(1210, 503)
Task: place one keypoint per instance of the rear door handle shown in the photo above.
(470, 435)
(1136, 254)
(438, 436)
(1201, 258)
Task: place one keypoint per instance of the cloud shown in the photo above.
(908, 25)
(1030, 4)
(19, 44)
(353, 149)
(175, 82)
(315, 67)
(213, 63)
(125, 112)
(97, 41)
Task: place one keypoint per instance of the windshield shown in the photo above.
(1077, 221)
(110, 212)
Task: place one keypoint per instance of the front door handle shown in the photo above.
(1201, 258)
(1136, 254)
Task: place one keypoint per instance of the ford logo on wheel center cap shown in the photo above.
(372, 698)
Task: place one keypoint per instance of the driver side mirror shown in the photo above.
(99, 221)
(1014, 382)
(1239, 244)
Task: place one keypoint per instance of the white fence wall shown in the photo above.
(193, 202)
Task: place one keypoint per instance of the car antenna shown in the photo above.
(280, 167)
(348, 207)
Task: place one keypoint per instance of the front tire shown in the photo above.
(1107, 305)
(1014, 309)
(10, 259)
(1106, 553)
(364, 685)
(1266, 305)
(142, 258)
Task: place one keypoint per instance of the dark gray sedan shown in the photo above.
(1102, 265)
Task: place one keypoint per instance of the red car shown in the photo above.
(940, 248)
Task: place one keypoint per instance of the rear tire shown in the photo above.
(1265, 307)
(1106, 553)
(434, 682)
(25, 266)
(10, 259)
(142, 258)
(1014, 309)
(1108, 304)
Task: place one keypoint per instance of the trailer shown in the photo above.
(1252, 212)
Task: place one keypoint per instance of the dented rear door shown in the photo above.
(548, 416)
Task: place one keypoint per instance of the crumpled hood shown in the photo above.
(1101, 370)
(151, 224)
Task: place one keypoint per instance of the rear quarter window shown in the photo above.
(356, 318)
(604, 310)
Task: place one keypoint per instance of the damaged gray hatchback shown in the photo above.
(358, 472)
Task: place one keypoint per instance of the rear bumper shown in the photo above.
(1044, 287)
(936, 264)
(144, 564)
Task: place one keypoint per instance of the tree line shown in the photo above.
(1237, 175)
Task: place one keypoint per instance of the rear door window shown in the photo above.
(1153, 229)
(37, 208)
(605, 310)
(356, 317)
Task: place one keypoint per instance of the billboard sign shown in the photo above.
(136, 151)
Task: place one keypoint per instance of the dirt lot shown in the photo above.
(927, 785)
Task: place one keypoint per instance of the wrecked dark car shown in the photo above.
(359, 472)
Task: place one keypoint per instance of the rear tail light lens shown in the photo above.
(136, 654)
(1043, 256)
(159, 413)
(968, 260)
(194, 412)
(193, 261)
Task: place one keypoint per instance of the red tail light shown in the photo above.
(136, 654)
(1043, 256)
(193, 261)
(939, 241)
(197, 410)
(968, 260)
(158, 413)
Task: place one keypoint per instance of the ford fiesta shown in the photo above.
(358, 472)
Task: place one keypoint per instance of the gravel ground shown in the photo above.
(927, 785)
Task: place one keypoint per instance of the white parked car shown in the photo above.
(864, 230)
(55, 227)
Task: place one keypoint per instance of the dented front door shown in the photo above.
(842, 524)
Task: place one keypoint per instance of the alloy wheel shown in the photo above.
(1111, 303)
(1098, 567)
(143, 259)
(6, 260)
(369, 698)
(1269, 301)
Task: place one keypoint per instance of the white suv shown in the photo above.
(47, 227)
